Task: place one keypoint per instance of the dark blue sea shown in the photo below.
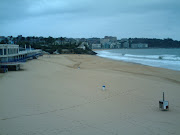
(164, 58)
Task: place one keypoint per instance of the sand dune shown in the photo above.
(62, 94)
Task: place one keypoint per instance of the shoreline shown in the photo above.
(139, 64)
(152, 62)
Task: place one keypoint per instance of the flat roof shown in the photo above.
(8, 45)
(21, 53)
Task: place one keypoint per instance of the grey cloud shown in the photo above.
(17, 9)
(91, 17)
(138, 6)
(10, 9)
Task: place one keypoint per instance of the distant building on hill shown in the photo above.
(93, 40)
(111, 39)
(105, 43)
(125, 43)
(83, 45)
(114, 45)
(96, 46)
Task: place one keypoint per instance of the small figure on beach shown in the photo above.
(103, 87)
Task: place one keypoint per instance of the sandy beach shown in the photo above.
(52, 96)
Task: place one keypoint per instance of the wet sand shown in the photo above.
(51, 96)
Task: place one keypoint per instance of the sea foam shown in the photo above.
(169, 61)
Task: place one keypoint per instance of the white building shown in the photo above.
(105, 43)
(83, 45)
(8, 52)
(111, 39)
(11, 56)
(96, 46)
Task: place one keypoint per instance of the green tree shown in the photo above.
(62, 39)
(50, 40)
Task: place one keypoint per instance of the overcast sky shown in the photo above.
(91, 18)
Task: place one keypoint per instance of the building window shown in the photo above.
(1, 52)
(4, 51)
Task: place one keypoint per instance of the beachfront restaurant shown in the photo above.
(10, 57)
(10, 53)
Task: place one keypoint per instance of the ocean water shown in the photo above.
(164, 58)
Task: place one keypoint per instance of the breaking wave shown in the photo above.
(168, 61)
